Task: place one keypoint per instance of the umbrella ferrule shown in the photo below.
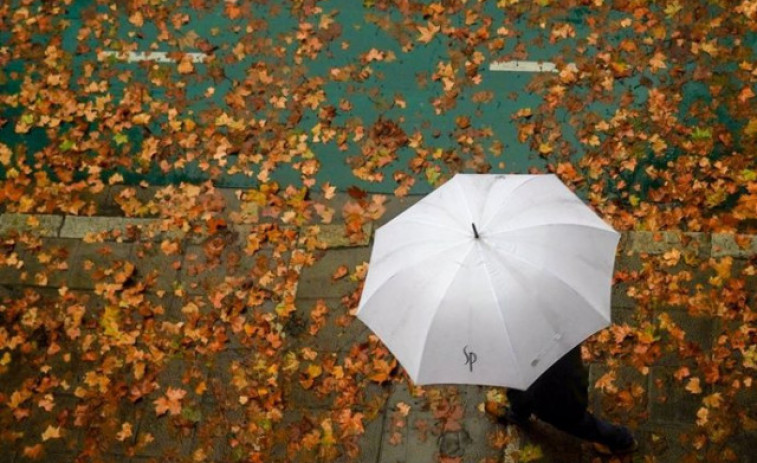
(475, 231)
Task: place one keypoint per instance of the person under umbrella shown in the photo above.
(560, 397)
(506, 272)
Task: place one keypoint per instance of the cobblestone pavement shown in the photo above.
(399, 424)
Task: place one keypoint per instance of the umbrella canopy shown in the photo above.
(489, 280)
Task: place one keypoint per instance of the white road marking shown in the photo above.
(157, 56)
(527, 66)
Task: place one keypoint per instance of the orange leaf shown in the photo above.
(170, 403)
(693, 386)
(341, 272)
(34, 451)
(185, 66)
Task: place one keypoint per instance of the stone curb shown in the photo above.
(332, 235)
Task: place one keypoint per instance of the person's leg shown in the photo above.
(521, 403)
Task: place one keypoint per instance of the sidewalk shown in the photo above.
(305, 386)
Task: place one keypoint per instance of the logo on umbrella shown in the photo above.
(470, 358)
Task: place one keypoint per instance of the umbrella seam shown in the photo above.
(561, 224)
(556, 277)
(465, 199)
(436, 313)
(435, 225)
(396, 273)
(502, 317)
(510, 193)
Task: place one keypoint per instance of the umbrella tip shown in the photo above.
(475, 232)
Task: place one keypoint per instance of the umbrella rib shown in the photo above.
(465, 199)
(504, 323)
(435, 225)
(525, 182)
(555, 276)
(561, 224)
(436, 313)
(415, 264)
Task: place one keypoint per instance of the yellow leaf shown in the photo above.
(751, 127)
(693, 386)
(673, 8)
(713, 400)
(545, 148)
(5, 154)
(314, 370)
(125, 432)
(702, 416)
(52, 432)
(110, 319)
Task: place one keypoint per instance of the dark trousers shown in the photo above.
(575, 421)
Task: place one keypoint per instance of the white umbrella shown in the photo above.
(489, 280)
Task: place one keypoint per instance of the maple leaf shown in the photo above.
(657, 62)
(428, 32)
(395, 438)
(170, 402)
(693, 386)
(340, 272)
(125, 432)
(329, 190)
(185, 66)
(34, 451)
(52, 432)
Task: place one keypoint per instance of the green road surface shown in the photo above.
(395, 92)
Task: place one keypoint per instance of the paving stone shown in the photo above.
(477, 424)
(45, 263)
(171, 435)
(331, 337)
(660, 242)
(336, 202)
(224, 260)
(401, 440)
(332, 236)
(103, 203)
(620, 298)
(628, 261)
(729, 244)
(395, 206)
(555, 445)
(38, 224)
(607, 406)
(120, 194)
(664, 441)
(317, 282)
(370, 441)
(740, 446)
(669, 400)
(117, 228)
(93, 263)
(153, 266)
(699, 336)
(62, 415)
(232, 199)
